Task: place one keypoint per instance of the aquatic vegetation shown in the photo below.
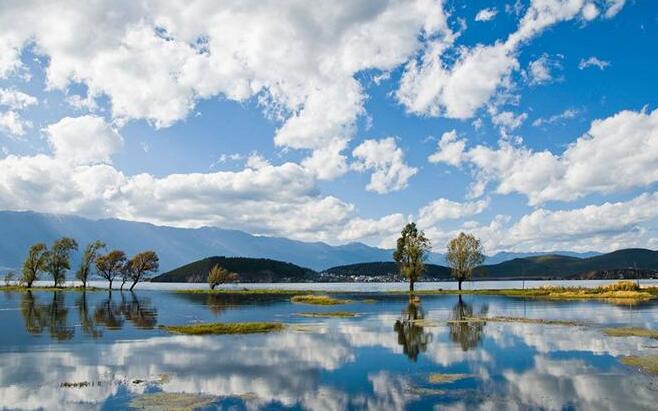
(631, 332)
(369, 301)
(317, 300)
(525, 320)
(245, 291)
(438, 378)
(647, 363)
(223, 328)
(329, 314)
(171, 401)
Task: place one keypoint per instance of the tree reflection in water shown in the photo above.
(463, 330)
(39, 317)
(50, 316)
(411, 335)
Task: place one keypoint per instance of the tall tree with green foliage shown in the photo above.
(110, 265)
(220, 275)
(411, 252)
(465, 252)
(59, 259)
(88, 260)
(141, 266)
(34, 264)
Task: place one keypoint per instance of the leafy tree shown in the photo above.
(59, 259)
(411, 252)
(141, 265)
(34, 264)
(465, 252)
(220, 275)
(88, 259)
(110, 265)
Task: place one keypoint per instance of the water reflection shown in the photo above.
(51, 316)
(411, 334)
(463, 330)
(40, 314)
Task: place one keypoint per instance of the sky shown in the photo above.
(531, 124)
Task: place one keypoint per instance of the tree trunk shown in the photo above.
(122, 284)
(110, 288)
(411, 286)
(29, 284)
(133, 286)
(460, 285)
(84, 283)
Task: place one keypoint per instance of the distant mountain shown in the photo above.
(509, 255)
(250, 270)
(627, 263)
(178, 246)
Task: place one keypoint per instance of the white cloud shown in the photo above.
(565, 115)
(450, 149)
(83, 140)
(155, 60)
(386, 160)
(486, 14)
(16, 100)
(383, 230)
(614, 7)
(593, 62)
(616, 153)
(444, 209)
(432, 86)
(508, 120)
(12, 123)
(541, 71)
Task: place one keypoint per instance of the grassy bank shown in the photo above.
(48, 288)
(223, 328)
(317, 300)
(329, 314)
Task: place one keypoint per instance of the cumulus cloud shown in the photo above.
(83, 140)
(15, 99)
(432, 86)
(541, 70)
(486, 14)
(450, 149)
(156, 60)
(444, 209)
(593, 62)
(12, 123)
(617, 153)
(386, 160)
(383, 230)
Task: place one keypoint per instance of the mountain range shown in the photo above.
(179, 246)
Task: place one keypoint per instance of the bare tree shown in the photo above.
(110, 265)
(88, 260)
(220, 275)
(411, 252)
(465, 252)
(34, 264)
(141, 265)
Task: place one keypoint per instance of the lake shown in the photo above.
(95, 350)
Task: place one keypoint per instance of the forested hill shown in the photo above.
(250, 270)
(381, 270)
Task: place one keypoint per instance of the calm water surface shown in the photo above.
(95, 350)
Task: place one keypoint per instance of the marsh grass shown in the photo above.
(438, 378)
(223, 328)
(245, 291)
(631, 332)
(317, 300)
(329, 314)
(647, 363)
(525, 320)
(171, 401)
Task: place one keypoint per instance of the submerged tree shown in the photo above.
(88, 260)
(220, 275)
(141, 266)
(411, 252)
(34, 264)
(465, 252)
(59, 259)
(110, 265)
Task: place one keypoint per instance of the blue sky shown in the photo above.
(531, 124)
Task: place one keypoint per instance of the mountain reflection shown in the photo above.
(463, 330)
(411, 335)
(52, 315)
